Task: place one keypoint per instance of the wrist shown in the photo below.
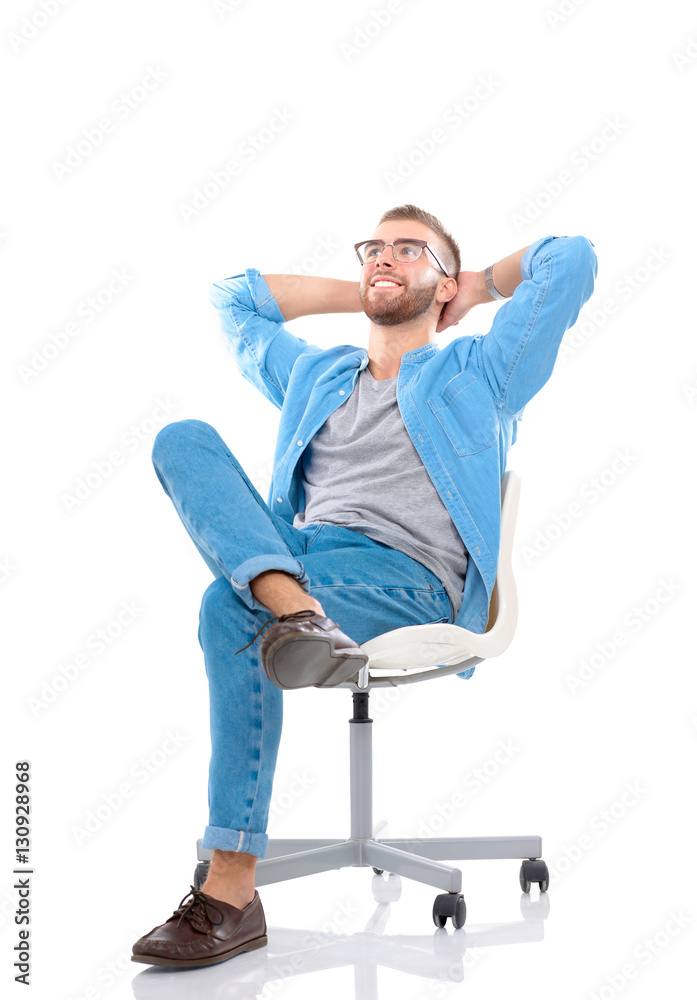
(506, 274)
(478, 292)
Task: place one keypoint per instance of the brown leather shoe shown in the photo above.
(304, 649)
(203, 932)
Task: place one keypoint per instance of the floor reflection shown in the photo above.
(445, 954)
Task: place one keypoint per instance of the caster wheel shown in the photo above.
(378, 871)
(534, 870)
(449, 904)
(201, 873)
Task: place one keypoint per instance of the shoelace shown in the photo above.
(295, 616)
(196, 909)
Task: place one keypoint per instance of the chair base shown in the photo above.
(415, 859)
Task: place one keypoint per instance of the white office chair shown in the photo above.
(419, 652)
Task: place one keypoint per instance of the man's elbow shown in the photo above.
(217, 295)
(584, 256)
(221, 293)
(577, 266)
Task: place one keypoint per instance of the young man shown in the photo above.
(384, 508)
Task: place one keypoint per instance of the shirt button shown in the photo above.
(279, 499)
(341, 392)
(298, 442)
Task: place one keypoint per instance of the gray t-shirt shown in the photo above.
(361, 471)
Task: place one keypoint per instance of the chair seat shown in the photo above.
(437, 645)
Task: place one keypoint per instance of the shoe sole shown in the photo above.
(297, 661)
(193, 962)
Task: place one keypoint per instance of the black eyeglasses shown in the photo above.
(404, 250)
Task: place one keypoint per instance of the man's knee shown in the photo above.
(223, 612)
(222, 608)
(218, 604)
(179, 432)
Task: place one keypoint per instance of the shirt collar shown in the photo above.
(413, 357)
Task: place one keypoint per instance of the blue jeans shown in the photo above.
(366, 587)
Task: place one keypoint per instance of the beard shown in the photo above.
(392, 310)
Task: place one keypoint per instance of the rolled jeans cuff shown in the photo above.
(251, 568)
(219, 838)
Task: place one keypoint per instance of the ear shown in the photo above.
(447, 291)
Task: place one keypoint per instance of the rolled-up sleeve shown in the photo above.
(518, 353)
(254, 333)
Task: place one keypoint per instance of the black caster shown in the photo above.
(201, 874)
(378, 871)
(449, 904)
(534, 870)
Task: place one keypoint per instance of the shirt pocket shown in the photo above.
(467, 414)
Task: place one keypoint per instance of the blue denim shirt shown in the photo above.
(460, 403)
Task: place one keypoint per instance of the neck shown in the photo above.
(387, 344)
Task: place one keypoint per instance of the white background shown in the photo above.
(361, 96)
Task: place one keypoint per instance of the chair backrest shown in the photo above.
(503, 609)
(443, 645)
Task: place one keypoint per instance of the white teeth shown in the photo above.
(386, 284)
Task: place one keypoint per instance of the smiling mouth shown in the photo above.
(380, 283)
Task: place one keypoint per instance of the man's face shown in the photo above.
(393, 292)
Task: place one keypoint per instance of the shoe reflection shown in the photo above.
(443, 955)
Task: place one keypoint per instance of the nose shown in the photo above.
(386, 256)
